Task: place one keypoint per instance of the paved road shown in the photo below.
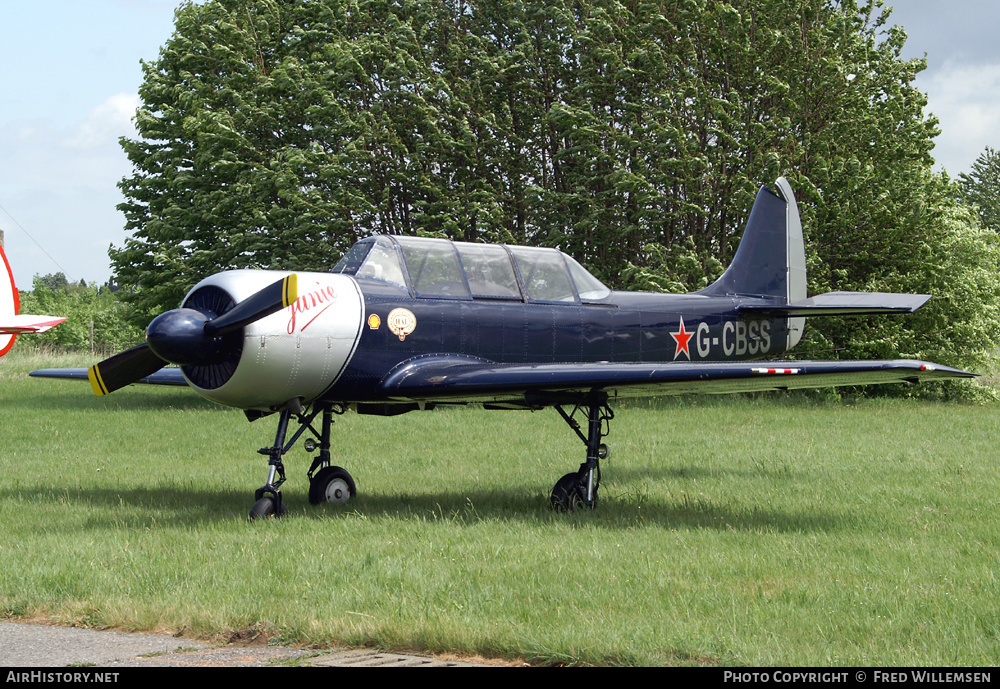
(36, 645)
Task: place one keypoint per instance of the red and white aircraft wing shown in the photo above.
(22, 324)
(12, 324)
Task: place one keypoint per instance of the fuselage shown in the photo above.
(344, 334)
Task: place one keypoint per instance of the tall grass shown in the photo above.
(772, 531)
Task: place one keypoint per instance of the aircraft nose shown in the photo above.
(178, 336)
(300, 351)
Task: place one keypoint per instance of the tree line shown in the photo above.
(632, 134)
(96, 319)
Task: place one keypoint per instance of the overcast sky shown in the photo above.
(71, 73)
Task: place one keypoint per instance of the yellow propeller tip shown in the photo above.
(290, 290)
(96, 382)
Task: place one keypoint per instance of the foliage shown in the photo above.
(54, 281)
(80, 305)
(957, 262)
(276, 133)
(981, 188)
(679, 268)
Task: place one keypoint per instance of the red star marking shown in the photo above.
(681, 337)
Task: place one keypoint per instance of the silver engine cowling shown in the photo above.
(299, 351)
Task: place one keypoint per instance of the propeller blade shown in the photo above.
(272, 298)
(123, 369)
(183, 336)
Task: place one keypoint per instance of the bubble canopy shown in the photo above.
(442, 269)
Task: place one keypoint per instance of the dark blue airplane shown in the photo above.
(405, 323)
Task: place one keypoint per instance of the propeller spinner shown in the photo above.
(188, 337)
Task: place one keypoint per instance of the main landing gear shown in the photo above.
(328, 484)
(579, 489)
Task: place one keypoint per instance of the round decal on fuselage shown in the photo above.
(401, 322)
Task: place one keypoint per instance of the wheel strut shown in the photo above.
(268, 497)
(326, 483)
(329, 483)
(323, 458)
(580, 489)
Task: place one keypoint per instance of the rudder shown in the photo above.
(771, 258)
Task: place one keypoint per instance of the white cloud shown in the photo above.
(106, 123)
(966, 100)
(60, 184)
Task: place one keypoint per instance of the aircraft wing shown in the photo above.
(165, 376)
(19, 325)
(443, 378)
(468, 379)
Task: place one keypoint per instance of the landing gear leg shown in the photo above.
(579, 489)
(268, 496)
(330, 484)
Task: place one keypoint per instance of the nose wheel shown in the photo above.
(326, 483)
(268, 507)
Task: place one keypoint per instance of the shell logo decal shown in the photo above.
(401, 322)
(374, 322)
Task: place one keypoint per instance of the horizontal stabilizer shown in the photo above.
(23, 324)
(844, 304)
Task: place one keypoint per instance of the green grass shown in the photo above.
(776, 531)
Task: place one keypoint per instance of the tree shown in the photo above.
(957, 261)
(54, 281)
(981, 188)
(81, 305)
(274, 134)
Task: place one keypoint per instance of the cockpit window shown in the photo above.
(588, 287)
(351, 261)
(434, 268)
(376, 259)
(442, 269)
(489, 271)
(544, 274)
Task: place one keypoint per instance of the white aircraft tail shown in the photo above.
(12, 323)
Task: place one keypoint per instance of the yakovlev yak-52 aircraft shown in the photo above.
(13, 324)
(405, 323)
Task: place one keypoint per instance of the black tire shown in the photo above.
(331, 484)
(264, 509)
(565, 495)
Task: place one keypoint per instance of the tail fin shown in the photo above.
(10, 302)
(769, 272)
(771, 258)
(12, 324)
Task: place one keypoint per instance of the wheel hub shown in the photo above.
(337, 491)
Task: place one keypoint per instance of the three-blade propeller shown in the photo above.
(188, 337)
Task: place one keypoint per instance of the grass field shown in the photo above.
(776, 531)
